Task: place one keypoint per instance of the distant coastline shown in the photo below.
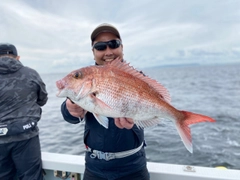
(191, 64)
(174, 65)
(169, 66)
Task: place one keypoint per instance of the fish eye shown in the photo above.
(77, 75)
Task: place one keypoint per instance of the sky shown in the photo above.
(53, 36)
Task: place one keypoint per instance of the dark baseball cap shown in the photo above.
(105, 27)
(6, 48)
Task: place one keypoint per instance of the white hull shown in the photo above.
(74, 164)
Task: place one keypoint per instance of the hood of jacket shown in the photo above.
(9, 65)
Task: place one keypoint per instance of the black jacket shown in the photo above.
(22, 93)
(112, 139)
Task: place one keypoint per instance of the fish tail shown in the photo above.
(184, 131)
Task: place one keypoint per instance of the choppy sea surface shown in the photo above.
(212, 90)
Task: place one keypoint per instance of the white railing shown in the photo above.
(158, 171)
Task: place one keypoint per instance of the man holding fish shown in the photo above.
(115, 146)
(116, 152)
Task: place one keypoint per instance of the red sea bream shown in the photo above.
(118, 90)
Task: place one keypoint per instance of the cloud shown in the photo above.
(54, 36)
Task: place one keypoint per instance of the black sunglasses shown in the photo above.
(101, 46)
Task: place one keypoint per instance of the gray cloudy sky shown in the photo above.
(54, 35)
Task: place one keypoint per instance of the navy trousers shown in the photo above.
(21, 158)
(139, 175)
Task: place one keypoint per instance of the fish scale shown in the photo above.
(130, 104)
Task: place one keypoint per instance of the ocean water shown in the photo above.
(212, 90)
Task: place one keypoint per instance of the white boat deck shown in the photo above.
(158, 171)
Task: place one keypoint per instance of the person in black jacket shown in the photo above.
(22, 93)
(116, 153)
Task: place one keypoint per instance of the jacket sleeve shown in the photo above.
(42, 94)
(67, 116)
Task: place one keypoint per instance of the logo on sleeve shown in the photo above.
(28, 126)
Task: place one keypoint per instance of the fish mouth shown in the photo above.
(61, 93)
(67, 93)
(72, 94)
(61, 88)
(75, 93)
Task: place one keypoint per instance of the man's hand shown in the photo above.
(74, 109)
(124, 123)
(77, 111)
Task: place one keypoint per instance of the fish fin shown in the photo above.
(85, 90)
(99, 102)
(124, 66)
(147, 123)
(184, 130)
(102, 120)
